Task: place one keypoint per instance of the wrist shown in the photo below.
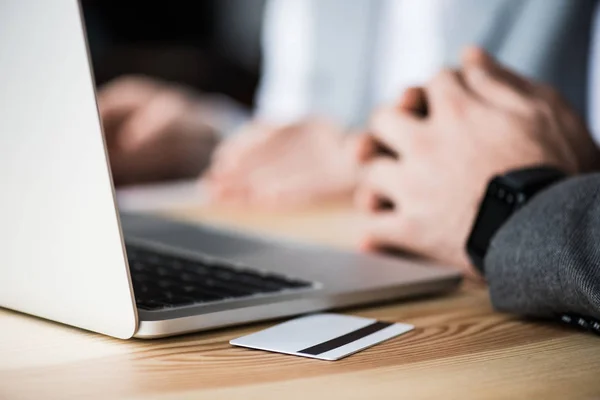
(505, 195)
(192, 153)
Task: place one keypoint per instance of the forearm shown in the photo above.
(545, 261)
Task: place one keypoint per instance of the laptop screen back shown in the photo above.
(60, 239)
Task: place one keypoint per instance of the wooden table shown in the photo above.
(459, 349)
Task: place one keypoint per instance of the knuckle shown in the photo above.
(531, 109)
(132, 82)
(409, 228)
(435, 82)
(173, 99)
(386, 125)
(380, 118)
(171, 94)
(444, 80)
(447, 86)
(550, 94)
(544, 108)
(379, 170)
(376, 168)
(550, 100)
(460, 107)
(444, 75)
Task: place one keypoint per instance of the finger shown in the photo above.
(152, 120)
(118, 100)
(477, 57)
(261, 150)
(232, 193)
(384, 230)
(234, 155)
(297, 182)
(247, 133)
(494, 90)
(268, 188)
(414, 99)
(257, 177)
(368, 147)
(364, 147)
(281, 196)
(495, 84)
(447, 92)
(394, 129)
(124, 95)
(365, 199)
(381, 177)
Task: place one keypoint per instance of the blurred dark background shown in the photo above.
(211, 45)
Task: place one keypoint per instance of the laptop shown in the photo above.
(69, 256)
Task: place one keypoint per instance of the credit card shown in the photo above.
(323, 336)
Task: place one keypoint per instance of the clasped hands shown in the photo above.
(418, 174)
(421, 170)
(424, 176)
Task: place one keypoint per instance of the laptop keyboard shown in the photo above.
(164, 281)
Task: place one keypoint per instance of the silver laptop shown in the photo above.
(67, 254)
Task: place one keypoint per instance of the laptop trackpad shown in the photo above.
(189, 236)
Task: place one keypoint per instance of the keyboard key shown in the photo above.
(163, 281)
(148, 304)
(137, 266)
(195, 268)
(230, 288)
(284, 281)
(299, 284)
(203, 294)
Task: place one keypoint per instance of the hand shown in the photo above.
(271, 166)
(154, 131)
(482, 121)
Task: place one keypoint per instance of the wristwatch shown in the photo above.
(504, 196)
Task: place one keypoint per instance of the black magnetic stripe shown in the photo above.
(345, 339)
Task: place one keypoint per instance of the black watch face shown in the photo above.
(499, 203)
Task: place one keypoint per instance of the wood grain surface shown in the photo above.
(459, 349)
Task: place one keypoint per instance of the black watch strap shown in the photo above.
(533, 180)
(505, 194)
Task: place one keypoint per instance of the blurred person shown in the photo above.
(339, 60)
(482, 121)
(327, 63)
(211, 46)
(154, 130)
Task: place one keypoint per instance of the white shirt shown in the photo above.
(407, 52)
(287, 34)
(409, 47)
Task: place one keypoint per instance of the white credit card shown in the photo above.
(323, 336)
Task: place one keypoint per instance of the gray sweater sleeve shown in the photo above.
(545, 261)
